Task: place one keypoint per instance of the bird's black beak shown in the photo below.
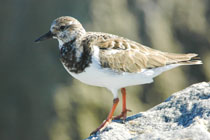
(46, 36)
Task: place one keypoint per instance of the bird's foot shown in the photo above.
(101, 127)
(123, 115)
(109, 118)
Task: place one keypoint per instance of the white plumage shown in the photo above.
(95, 75)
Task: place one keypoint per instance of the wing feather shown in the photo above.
(124, 55)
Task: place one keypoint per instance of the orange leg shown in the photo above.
(123, 114)
(109, 118)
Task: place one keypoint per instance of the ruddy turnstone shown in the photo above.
(110, 61)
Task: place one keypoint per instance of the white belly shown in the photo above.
(108, 79)
(95, 75)
(104, 77)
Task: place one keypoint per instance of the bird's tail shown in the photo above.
(184, 59)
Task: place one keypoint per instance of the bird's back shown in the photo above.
(123, 55)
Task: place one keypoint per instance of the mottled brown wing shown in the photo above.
(128, 56)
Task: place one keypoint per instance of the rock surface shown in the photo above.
(183, 116)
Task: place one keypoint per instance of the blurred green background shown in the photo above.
(39, 100)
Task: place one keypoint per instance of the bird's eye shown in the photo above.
(62, 27)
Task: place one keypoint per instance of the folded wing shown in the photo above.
(123, 55)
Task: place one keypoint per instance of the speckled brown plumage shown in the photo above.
(116, 53)
(124, 55)
(120, 54)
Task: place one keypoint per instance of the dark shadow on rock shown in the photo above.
(130, 118)
(203, 96)
(134, 117)
(186, 119)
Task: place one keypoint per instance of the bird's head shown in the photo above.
(64, 29)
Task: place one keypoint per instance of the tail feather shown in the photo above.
(193, 61)
(183, 59)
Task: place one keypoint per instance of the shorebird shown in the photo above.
(106, 60)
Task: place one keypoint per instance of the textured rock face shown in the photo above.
(183, 116)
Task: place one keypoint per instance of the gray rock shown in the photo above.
(183, 116)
